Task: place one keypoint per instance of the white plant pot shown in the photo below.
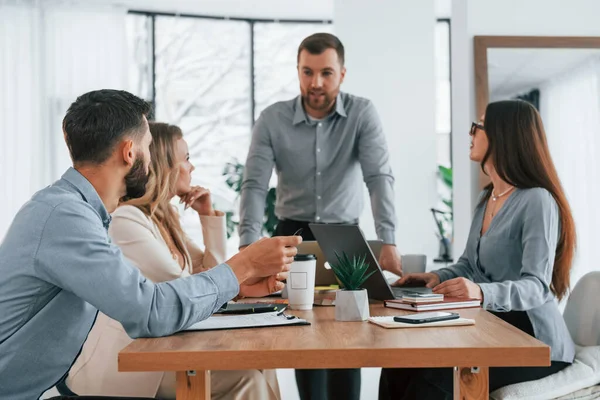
(351, 305)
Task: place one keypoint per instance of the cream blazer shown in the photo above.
(95, 370)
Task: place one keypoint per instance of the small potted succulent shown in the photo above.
(351, 302)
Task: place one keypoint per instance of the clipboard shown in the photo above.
(261, 320)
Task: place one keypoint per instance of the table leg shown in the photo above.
(193, 385)
(471, 383)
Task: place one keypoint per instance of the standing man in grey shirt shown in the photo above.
(58, 266)
(322, 144)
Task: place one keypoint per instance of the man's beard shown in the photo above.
(315, 104)
(135, 181)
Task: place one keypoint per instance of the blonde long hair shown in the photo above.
(161, 185)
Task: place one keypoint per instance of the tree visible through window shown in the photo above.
(214, 76)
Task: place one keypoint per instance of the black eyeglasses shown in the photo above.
(474, 127)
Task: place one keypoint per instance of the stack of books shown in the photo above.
(416, 297)
(325, 295)
(430, 302)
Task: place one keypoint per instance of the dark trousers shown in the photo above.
(437, 383)
(321, 384)
(98, 398)
(67, 394)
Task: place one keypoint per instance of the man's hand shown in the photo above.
(282, 276)
(459, 287)
(261, 287)
(428, 279)
(389, 259)
(265, 257)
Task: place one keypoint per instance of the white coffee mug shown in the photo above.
(301, 282)
(414, 263)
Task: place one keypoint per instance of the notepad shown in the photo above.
(447, 303)
(388, 322)
(263, 320)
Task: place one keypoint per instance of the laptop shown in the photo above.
(349, 239)
(324, 274)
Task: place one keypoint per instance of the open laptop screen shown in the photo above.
(350, 240)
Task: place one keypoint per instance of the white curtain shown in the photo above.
(570, 108)
(21, 146)
(50, 53)
(86, 50)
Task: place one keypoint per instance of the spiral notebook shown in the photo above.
(388, 322)
(261, 320)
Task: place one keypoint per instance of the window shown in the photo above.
(203, 86)
(443, 125)
(140, 58)
(275, 54)
(213, 77)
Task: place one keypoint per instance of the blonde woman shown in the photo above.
(150, 235)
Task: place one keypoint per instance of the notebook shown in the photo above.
(267, 300)
(388, 322)
(261, 320)
(447, 303)
(421, 297)
(325, 295)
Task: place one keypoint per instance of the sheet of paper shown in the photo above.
(388, 322)
(244, 321)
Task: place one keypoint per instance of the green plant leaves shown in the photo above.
(351, 273)
(234, 173)
(446, 175)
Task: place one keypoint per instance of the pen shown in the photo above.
(298, 232)
(251, 310)
(288, 317)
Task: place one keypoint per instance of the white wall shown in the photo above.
(507, 18)
(284, 9)
(390, 60)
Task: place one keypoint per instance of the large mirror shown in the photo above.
(560, 76)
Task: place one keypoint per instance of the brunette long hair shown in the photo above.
(519, 151)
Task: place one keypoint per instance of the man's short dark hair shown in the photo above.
(319, 42)
(98, 120)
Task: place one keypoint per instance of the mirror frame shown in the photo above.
(481, 44)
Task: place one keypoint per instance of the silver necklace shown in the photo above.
(496, 197)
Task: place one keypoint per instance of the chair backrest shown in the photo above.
(582, 313)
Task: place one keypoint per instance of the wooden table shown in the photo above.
(327, 343)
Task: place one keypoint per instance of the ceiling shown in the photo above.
(514, 71)
(268, 9)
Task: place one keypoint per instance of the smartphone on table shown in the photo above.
(422, 318)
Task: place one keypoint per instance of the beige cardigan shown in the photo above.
(95, 370)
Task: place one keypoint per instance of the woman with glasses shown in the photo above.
(519, 252)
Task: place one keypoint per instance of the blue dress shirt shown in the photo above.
(58, 268)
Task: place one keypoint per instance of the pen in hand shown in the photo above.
(298, 232)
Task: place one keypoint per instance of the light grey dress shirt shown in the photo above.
(513, 262)
(58, 268)
(319, 167)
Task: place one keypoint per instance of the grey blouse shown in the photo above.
(513, 262)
